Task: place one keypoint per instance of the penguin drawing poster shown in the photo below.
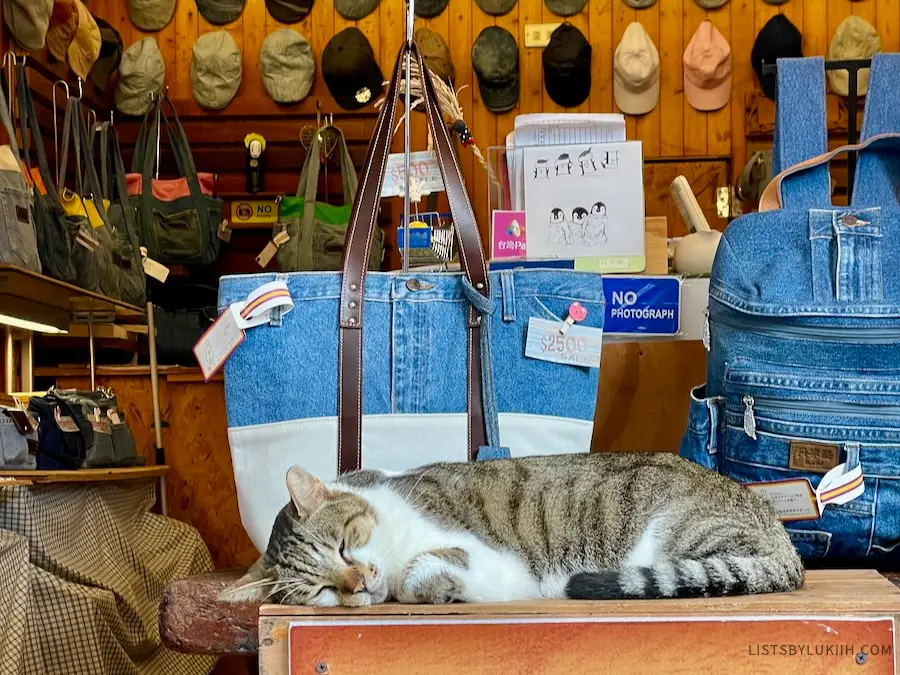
(586, 201)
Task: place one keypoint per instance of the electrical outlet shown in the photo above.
(538, 34)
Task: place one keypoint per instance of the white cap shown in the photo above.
(636, 69)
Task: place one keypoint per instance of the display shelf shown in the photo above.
(85, 475)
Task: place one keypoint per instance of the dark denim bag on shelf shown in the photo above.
(803, 372)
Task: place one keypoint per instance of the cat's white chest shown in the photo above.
(402, 534)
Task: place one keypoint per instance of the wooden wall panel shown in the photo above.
(672, 129)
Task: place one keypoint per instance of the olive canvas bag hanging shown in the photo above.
(18, 244)
(318, 230)
(178, 218)
(121, 218)
(55, 234)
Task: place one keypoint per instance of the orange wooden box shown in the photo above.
(842, 621)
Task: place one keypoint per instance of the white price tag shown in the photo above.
(579, 346)
(423, 168)
(792, 499)
(218, 342)
(152, 268)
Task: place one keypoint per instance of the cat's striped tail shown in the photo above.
(715, 576)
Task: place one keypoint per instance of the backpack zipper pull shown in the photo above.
(749, 419)
(705, 338)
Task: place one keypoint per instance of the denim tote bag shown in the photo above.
(802, 400)
(393, 370)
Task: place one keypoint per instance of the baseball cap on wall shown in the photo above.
(428, 9)
(28, 21)
(61, 31)
(287, 66)
(110, 54)
(220, 12)
(778, 39)
(565, 7)
(495, 58)
(350, 70)
(85, 46)
(289, 11)
(215, 69)
(150, 15)
(354, 10)
(567, 66)
(855, 38)
(436, 53)
(142, 74)
(496, 7)
(711, 4)
(639, 4)
(636, 72)
(707, 69)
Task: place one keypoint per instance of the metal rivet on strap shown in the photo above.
(479, 286)
(352, 305)
(352, 320)
(353, 287)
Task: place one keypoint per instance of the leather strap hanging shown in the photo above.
(356, 252)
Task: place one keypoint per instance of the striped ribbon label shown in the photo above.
(840, 485)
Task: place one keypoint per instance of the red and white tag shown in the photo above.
(101, 426)
(227, 332)
(791, 500)
(840, 486)
(113, 416)
(218, 342)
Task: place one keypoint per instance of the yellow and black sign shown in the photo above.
(256, 211)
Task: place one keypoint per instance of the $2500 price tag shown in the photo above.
(580, 346)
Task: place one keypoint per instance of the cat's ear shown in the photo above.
(251, 587)
(307, 492)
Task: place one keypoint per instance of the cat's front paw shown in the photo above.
(362, 599)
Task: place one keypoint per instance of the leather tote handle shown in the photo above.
(356, 254)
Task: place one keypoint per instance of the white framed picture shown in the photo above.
(586, 201)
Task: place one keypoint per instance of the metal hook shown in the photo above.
(80, 89)
(91, 118)
(111, 116)
(55, 122)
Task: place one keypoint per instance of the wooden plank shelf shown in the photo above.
(835, 617)
(85, 475)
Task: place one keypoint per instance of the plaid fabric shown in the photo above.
(82, 570)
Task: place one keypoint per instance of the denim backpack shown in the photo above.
(803, 372)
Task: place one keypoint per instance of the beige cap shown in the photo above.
(707, 69)
(85, 46)
(855, 38)
(636, 70)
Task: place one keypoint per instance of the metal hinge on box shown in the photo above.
(727, 204)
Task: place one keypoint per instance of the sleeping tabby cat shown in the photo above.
(613, 525)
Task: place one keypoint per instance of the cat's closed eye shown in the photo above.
(341, 550)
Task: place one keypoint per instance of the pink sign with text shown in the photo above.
(508, 240)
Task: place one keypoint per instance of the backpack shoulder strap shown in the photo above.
(801, 131)
(878, 170)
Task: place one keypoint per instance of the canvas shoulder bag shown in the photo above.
(318, 230)
(121, 217)
(18, 242)
(802, 400)
(391, 370)
(54, 233)
(92, 251)
(177, 218)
